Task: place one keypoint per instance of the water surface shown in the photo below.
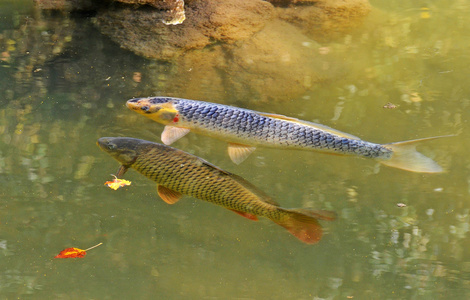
(52, 195)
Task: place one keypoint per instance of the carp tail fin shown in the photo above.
(303, 223)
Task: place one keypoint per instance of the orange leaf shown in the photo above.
(117, 183)
(71, 253)
(74, 252)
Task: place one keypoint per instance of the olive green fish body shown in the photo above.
(187, 174)
(246, 129)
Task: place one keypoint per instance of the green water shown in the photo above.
(52, 194)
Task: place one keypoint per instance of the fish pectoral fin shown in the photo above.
(238, 153)
(121, 171)
(168, 195)
(171, 134)
(311, 124)
(246, 215)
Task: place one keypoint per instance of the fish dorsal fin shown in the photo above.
(315, 125)
(248, 185)
(168, 195)
(238, 153)
(171, 134)
(205, 162)
(246, 215)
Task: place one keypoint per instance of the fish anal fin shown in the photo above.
(304, 227)
(311, 124)
(245, 215)
(168, 195)
(238, 152)
(171, 134)
(406, 157)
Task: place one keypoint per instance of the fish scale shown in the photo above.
(179, 173)
(280, 133)
(246, 129)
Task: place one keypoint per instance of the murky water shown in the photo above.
(55, 107)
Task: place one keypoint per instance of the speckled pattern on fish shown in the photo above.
(245, 130)
(241, 125)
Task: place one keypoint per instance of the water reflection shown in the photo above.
(55, 106)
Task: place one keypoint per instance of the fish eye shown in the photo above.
(111, 147)
(146, 108)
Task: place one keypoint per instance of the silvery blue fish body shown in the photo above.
(246, 129)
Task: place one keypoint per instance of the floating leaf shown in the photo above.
(117, 183)
(74, 252)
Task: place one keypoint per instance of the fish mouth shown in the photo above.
(141, 105)
(103, 143)
(134, 104)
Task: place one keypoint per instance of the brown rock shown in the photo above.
(327, 19)
(159, 4)
(277, 63)
(207, 22)
(67, 5)
(174, 8)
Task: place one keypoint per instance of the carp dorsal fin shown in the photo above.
(171, 134)
(168, 195)
(248, 185)
(238, 153)
(311, 124)
(205, 162)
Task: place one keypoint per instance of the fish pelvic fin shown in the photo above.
(406, 157)
(238, 153)
(303, 224)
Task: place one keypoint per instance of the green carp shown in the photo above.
(178, 173)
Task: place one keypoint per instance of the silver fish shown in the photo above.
(246, 129)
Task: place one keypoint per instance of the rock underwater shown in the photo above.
(270, 49)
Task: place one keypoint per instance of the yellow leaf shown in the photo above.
(117, 183)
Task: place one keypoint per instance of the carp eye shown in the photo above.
(111, 147)
(144, 108)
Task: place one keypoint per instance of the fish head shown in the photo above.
(123, 149)
(159, 109)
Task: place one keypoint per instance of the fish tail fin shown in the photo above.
(303, 223)
(407, 158)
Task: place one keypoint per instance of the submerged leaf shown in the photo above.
(74, 252)
(117, 183)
